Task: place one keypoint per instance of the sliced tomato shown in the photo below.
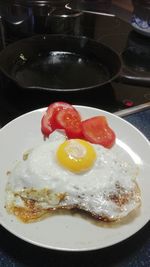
(46, 124)
(57, 106)
(69, 120)
(96, 130)
(46, 127)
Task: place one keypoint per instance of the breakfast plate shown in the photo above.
(70, 231)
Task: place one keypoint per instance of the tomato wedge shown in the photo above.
(68, 119)
(46, 124)
(96, 130)
(46, 127)
(62, 115)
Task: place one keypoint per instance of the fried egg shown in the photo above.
(71, 174)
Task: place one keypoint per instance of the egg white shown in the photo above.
(93, 191)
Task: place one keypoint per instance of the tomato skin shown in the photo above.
(46, 127)
(69, 120)
(96, 130)
(46, 121)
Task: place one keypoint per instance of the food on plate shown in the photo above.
(68, 119)
(76, 155)
(61, 115)
(63, 173)
(96, 130)
(48, 124)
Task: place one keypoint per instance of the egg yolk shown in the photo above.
(76, 155)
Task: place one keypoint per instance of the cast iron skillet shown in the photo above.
(59, 63)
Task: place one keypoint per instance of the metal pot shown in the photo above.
(17, 20)
(26, 18)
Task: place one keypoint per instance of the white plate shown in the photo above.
(66, 231)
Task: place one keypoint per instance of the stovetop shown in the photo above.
(127, 91)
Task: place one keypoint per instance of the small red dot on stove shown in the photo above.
(128, 103)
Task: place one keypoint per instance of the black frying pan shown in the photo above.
(59, 63)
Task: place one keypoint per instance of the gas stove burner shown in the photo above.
(134, 51)
(137, 54)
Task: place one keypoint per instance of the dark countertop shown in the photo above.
(141, 120)
(133, 252)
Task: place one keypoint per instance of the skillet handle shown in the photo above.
(130, 77)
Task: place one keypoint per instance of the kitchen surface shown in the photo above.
(127, 5)
(130, 89)
(127, 95)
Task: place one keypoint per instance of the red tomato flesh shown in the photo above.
(62, 115)
(69, 120)
(57, 106)
(46, 124)
(96, 130)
